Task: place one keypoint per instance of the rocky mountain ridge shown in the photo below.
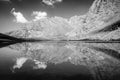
(102, 14)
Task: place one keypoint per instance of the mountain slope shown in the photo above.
(100, 22)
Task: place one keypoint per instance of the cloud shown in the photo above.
(20, 62)
(51, 2)
(19, 18)
(39, 65)
(39, 15)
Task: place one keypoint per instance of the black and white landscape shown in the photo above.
(66, 40)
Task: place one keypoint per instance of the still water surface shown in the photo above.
(60, 60)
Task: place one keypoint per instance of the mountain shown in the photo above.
(100, 22)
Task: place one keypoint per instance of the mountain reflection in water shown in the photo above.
(65, 60)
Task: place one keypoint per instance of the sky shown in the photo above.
(33, 9)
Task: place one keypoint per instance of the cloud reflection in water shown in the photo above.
(101, 59)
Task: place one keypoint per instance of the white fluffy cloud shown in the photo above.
(19, 62)
(19, 18)
(39, 65)
(39, 15)
(51, 2)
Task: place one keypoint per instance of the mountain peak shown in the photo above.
(102, 14)
(105, 6)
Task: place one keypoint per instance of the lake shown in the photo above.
(60, 60)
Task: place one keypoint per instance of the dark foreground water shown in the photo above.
(60, 60)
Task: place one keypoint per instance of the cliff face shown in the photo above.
(107, 12)
(103, 7)
(96, 23)
(102, 21)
